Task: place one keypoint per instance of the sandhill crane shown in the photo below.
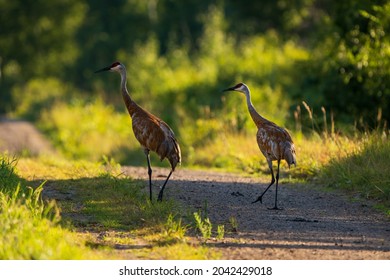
(274, 142)
(151, 132)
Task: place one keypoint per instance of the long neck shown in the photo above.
(256, 117)
(130, 104)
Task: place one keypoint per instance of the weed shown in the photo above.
(220, 232)
(233, 223)
(309, 110)
(203, 225)
(364, 170)
(174, 230)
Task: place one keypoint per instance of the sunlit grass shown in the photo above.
(51, 167)
(26, 235)
(30, 226)
(229, 152)
(364, 171)
(315, 152)
(184, 252)
(239, 152)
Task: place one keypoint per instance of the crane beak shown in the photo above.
(103, 69)
(229, 89)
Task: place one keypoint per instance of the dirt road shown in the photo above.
(314, 224)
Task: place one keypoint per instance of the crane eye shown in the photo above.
(115, 64)
(239, 85)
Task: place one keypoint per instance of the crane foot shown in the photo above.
(275, 208)
(260, 198)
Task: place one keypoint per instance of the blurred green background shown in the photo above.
(334, 55)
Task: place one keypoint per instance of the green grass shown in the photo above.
(30, 230)
(8, 178)
(29, 226)
(364, 171)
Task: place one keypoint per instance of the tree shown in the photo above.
(349, 71)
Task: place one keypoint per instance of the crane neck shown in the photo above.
(256, 117)
(130, 104)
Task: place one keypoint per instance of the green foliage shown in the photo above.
(348, 72)
(331, 54)
(88, 129)
(37, 95)
(37, 39)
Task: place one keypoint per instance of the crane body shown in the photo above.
(275, 142)
(151, 132)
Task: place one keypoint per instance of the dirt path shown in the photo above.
(314, 224)
(18, 136)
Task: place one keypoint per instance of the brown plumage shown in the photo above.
(274, 142)
(151, 132)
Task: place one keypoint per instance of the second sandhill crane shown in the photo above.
(274, 142)
(151, 132)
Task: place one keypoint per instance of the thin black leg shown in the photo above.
(149, 173)
(276, 191)
(260, 198)
(160, 195)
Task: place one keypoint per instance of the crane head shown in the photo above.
(116, 67)
(241, 87)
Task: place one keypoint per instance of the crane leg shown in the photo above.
(160, 195)
(149, 173)
(260, 198)
(276, 192)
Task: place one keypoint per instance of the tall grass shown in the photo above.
(364, 171)
(29, 230)
(358, 163)
(29, 226)
(8, 177)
